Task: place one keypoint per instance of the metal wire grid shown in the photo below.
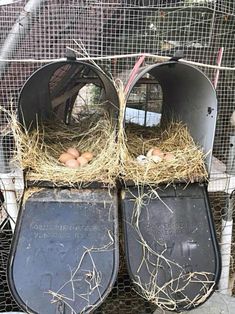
(7, 303)
(140, 29)
(106, 28)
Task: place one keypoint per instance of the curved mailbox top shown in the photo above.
(49, 90)
(188, 96)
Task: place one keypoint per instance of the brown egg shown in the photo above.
(157, 152)
(82, 161)
(72, 163)
(65, 156)
(88, 155)
(73, 151)
(169, 156)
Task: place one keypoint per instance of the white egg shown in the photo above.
(141, 159)
(156, 159)
(150, 152)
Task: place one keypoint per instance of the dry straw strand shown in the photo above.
(188, 162)
(163, 294)
(115, 146)
(38, 151)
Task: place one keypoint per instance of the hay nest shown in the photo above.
(115, 149)
(38, 151)
(188, 163)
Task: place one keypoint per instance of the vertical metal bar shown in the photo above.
(7, 186)
(19, 29)
(146, 104)
(227, 220)
(225, 247)
(231, 156)
(4, 168)
(7, 51)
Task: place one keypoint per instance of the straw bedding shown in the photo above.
(115, 149)
(187, 165)
(38, 151)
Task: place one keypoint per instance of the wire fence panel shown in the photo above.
(42, 30)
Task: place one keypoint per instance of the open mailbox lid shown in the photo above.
(64, 256)
(172, 251)
(171, 247)
(65, 250)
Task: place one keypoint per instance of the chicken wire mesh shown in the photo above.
(34, 32)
